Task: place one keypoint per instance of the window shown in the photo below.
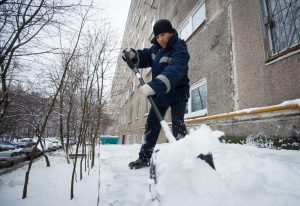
(195, 19)
(198, 17)
(132, 87)
(133, 20)
(197, 104)
(282, 24)
(137, 41)
(127, 95)
(143, 43)
(145, 19)
(129, 139)
(133, 82)
(137, 23)
(151, 29)
(143, 141)
(147, 108)
(186, 30)
(137, 108)
(130, 113)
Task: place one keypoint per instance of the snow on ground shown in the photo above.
(119, 184)
(48, 186)
(245, 175)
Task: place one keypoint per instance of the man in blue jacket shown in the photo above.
(168, 58)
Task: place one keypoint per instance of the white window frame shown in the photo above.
(127, 95)
(199, 113)
(145, 20)
(129, 139)
(137, 40)
(137, 109)
(130, 114)
(151, 29)
(147, 108)
(269, 22)
(131, 89)
(143, 141)
(137, 23)
(133, 20)
(133, 83)
(143, 43)
(189, 21)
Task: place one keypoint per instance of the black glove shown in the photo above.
(132, 55)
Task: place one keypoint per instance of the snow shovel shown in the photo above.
(208, 158)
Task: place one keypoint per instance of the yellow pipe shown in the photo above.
(233, 114)
(242, 113)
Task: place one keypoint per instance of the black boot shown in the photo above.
(139, 163)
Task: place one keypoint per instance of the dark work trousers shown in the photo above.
(152, 127)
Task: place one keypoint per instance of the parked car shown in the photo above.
(55, 143)
(11, 158)
(28, 151)
(26, 142)
(6, 147)
(10, 143)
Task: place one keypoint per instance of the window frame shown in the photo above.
(147, 108)
(198, 113)
(145, 20)
(137, 109)
(189, 20)
(151, 35)
(267, 37)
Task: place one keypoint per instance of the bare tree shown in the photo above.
(41, 129)
(21, 21)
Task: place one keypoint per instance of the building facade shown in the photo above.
(244, 54)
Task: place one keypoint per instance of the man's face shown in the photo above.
(164, 38)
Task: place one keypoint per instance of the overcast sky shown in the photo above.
(117, 11)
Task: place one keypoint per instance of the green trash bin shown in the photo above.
(106, 139)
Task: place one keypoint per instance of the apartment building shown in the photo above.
(244, 54)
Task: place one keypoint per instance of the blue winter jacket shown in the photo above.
(169, 70)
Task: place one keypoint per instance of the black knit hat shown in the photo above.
(162, 26)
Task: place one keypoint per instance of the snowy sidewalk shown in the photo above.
(119, 184)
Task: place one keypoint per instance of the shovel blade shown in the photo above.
(208, 158)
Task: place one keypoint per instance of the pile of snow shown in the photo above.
(239, 179)
(182, 175)
(295, 101)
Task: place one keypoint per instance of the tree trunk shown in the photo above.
(30, 164)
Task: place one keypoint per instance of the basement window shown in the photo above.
(282, 26)
(197, 104)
